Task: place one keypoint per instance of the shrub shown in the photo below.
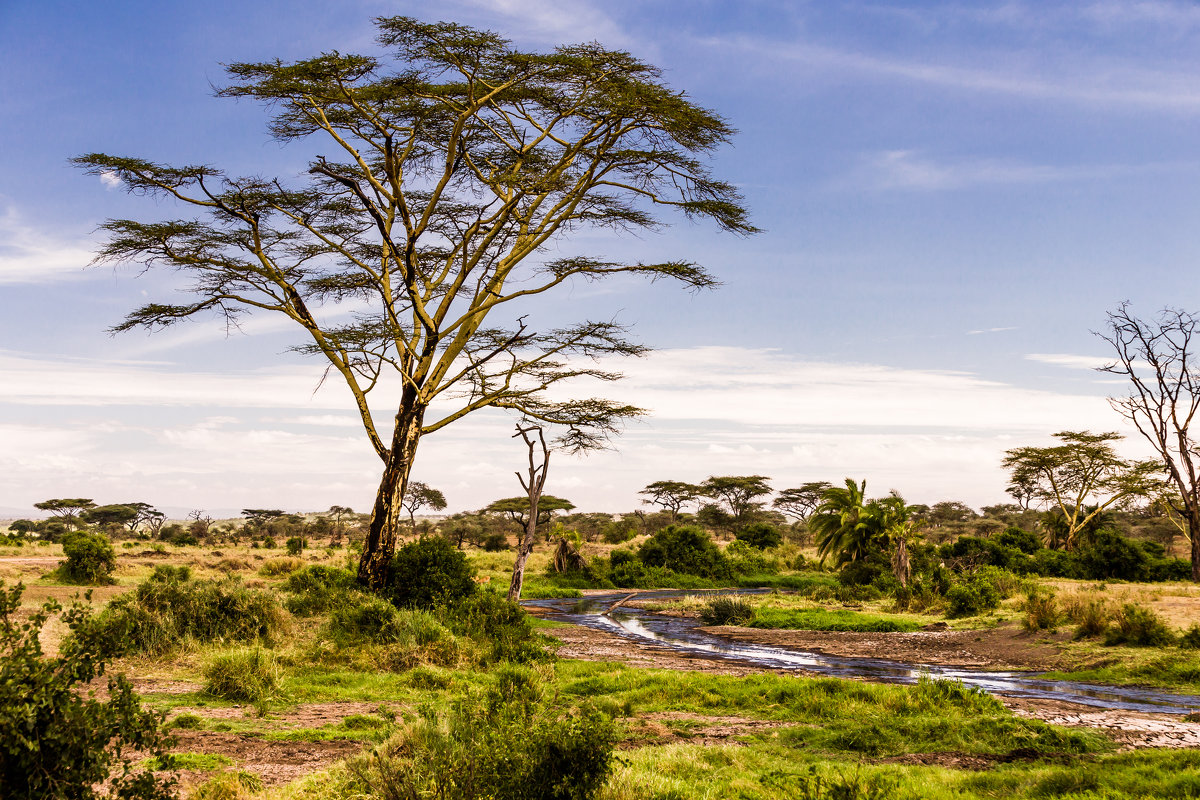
(248, 674)
(90, 558)
(317, 589)
(427, 572)
(274, 567)
(761, 535)
(502, 625)
(1191, 639)
(726, 610)
(1112, 556)
(971, 597)
(295, 545)
(166, 573)
(686, 549)
(495, 542)
(1138, 626)
(232, 785)
(56, 740)
(159, 615)
(1041, 611)
(746, 559)
(1025, 541)
(1091, 615)
(509, 743)
(390, 637)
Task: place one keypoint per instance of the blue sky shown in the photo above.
(952, 195)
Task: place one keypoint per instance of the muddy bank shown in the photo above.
(1001, 648)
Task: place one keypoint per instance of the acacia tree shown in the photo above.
(1154, 355)
(1082, 477)
(68, 509)
(418, 495)
(738, 492)
(461, 161)
(801, 501)
(671, 495)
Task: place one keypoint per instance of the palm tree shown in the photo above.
(842, 524)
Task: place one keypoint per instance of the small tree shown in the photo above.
(671, 495)
(90, 558)
(419, 495)
(339, 513)
(800, 502)
(739, 493)
(56, 740)
(1082, 477)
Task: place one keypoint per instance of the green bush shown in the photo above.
(685, 549)
(762, 535)
(317, 589)
(500, 624)
(56, 740)
(747, 559)
(1092, 618)
(970, 598)
(160, 615)
(427, 572)
(1041, 611)
(495, 542)
(392, 638)
(1138, 626)
(90, 558)
(726, 610)
(509, 743)
(248, 674)
(295, 545)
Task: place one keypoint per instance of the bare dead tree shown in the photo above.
(1155, 355)
(533, 483)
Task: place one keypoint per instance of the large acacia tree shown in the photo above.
(450, 174)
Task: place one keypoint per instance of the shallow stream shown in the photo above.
(682, 635)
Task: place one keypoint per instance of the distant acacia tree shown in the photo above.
(419, 495)
(1082, 477)
(739, 493)
(800, 502)
(457, 167)
(68, 509)
(339, 513)
(671, 495)
(1164, 396)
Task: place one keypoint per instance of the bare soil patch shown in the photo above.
(1130, 729)
(274, 762)
(681, 727)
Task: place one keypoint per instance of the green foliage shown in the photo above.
(317, 589)
(820, 619)
(1190, 640)
(295, 545)
(1041, 610)
(90, 558)
(685, 549)
(969, 598)
(761, 535)
(56, 741)
(726, 610)
(381, 635)
(248, 674)
(427, 572)
(1091, 616)
(501, 625)
(1019, 539)
(508, 743)
(1138, 626)
(495, 542)
(160, 615)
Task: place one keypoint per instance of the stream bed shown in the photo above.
(682, 635)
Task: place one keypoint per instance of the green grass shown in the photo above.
(1162, 668)
(819, 619)
(202, 762)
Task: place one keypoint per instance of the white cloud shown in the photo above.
(111, 180)
(992, 330)
(909, 170)
(557, 21)
(1069, 360)
(28, 255)
(1106, 82)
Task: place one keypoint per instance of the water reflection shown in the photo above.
(681, 635)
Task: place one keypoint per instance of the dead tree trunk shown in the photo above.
(533, 485)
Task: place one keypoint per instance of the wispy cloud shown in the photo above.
(29, 255)
(914, 171)
(1107, 82)
(557, 21)
(1069, 360)
(992, 330)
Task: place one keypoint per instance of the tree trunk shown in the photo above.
(900, 564)
(524, 548)
(388, 510)
(1193, 527)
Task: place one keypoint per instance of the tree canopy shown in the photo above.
(447, 178)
